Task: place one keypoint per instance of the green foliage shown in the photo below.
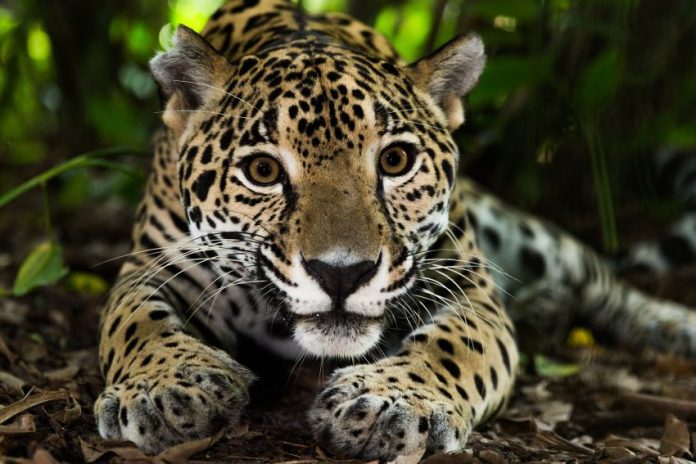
(547, 367)
(569, 82)
(43, 266)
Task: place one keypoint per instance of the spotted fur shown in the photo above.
(335, 258)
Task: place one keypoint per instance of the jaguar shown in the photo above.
(305, 195)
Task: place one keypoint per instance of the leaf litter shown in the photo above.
(582, 402)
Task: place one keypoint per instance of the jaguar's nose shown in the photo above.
(339, 282)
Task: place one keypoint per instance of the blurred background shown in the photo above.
(576, 96)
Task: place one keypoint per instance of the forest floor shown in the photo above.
(589, 403)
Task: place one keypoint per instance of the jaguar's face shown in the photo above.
(319, 177)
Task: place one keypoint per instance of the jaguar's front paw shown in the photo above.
(170, 406)
(381, 412)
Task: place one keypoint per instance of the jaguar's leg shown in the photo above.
(164, 385)
(450, 375)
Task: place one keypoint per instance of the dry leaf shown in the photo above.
(93, 453)
(69, 414)
(646, 446)
(25, 424)
(617, 452)
(8, 412)
(12, 381)
(555, 412)
(65, 373)
(320, 452)
(676, 439)
(537, 392)
(5, 351)
(673, 460)
(182, 452)
(548, 439)
(464, 457)
(492, 457)
(41, 456)
(238, 431)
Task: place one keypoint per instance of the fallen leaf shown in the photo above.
(24, 424)
(41, 456)
(65, 373)
(673, 460)
(320, 452)
(646, 446)
(12, 381)
(5, 351)
(676, 439)
(622, 379)
(13, 312)
(93, 453)
(491, 457)
(8, 412)
(464, 457)
(182, 452)
(238, 431)
(70, 414)
(617, 452)
(548, 439)
(537, 392)
(554, 412)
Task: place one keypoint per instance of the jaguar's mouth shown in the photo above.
(334, 334)
(338, 336)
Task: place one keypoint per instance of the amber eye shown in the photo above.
(264, 170)
(395, 161)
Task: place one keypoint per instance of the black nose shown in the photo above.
(340, 281)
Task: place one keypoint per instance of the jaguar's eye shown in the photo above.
(395, 161)
(264, 170)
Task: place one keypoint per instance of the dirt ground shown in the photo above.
(583, 402)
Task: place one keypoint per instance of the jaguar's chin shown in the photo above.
(338, 334)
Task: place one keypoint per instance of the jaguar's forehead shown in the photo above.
(312, 98)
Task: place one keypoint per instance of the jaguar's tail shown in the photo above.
(544, 270)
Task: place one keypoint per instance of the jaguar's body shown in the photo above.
(304, 194)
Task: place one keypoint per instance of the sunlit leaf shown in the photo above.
(86, 283)
(547, 367)
(193, 13)
(317, 6)
(38, 44)
(43, 266)
(580, 338)
(519, 9)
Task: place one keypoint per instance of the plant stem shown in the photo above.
(80, 161)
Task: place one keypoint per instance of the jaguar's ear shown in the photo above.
(187, 75)
(449, 73)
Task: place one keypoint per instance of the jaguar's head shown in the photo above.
(317, 172)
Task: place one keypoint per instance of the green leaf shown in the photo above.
(43, 266)
(599, 82)
(503, 76)
(547, 367)
(86, 283)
